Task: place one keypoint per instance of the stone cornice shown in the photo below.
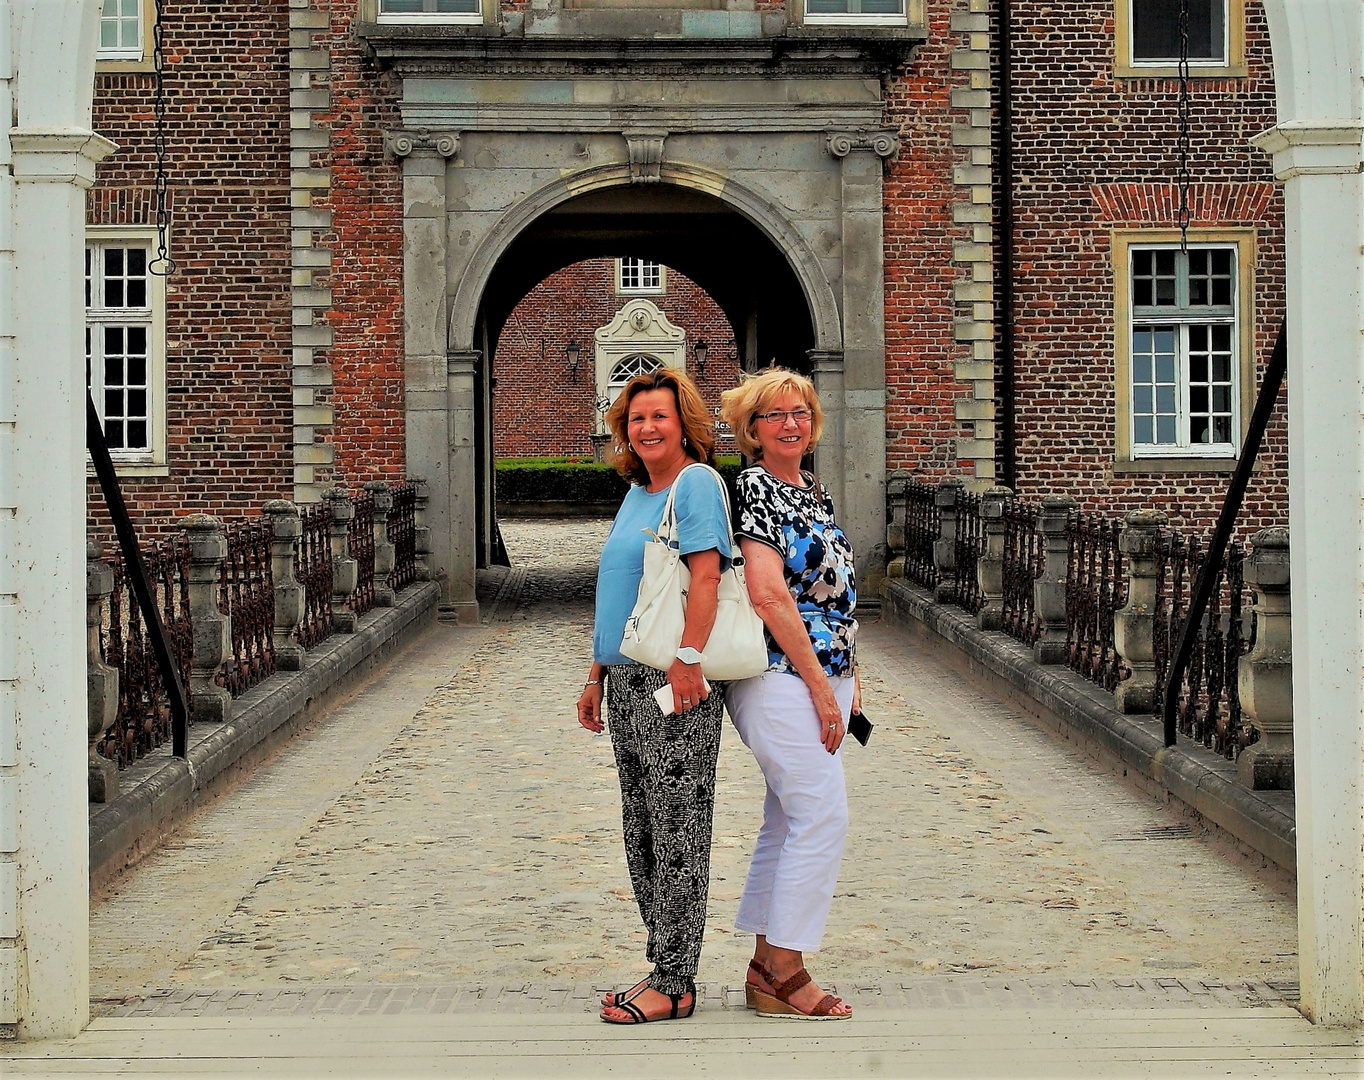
(1313, 147)
(713, 118)
(491, 51)
(57, 155)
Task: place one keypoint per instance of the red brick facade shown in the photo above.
(539, 407)
(228, 407)
(1092, 152)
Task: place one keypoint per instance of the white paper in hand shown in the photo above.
(664, 696)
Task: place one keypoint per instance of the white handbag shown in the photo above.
(736, 648)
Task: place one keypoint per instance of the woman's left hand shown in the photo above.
(689, 689)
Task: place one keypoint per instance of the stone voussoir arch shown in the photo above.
(762, 212)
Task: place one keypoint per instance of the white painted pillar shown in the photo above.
(47, 58)
(1317, 154)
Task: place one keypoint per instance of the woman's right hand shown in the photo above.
(589, 708)
(831, 729)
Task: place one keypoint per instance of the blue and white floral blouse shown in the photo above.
(799, 523)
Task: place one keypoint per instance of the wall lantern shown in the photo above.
(573, 349)
(701, 350)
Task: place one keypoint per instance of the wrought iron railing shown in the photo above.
(402, 534)
(360, 547)
(1209, 700)
(1022, 568)
(923, 525)
(143, 720)
(313, 568)
(246, 593)
(969, 545)
(1096, 587)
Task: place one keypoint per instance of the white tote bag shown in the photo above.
(736, 648)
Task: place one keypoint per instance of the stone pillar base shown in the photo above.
(103, 780)
(1135, 697)
(210, 704)
(383, 596)
(345, 621)
(1049, 651)
(463, 613)
(289, 657)
(1265, 768)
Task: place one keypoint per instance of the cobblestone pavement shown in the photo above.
(449, 840)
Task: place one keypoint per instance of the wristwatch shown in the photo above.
(688, 655)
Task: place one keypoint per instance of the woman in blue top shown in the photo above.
(793, 717)
(666, 764)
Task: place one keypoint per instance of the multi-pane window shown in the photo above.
(120, 359)
(1156, 33)
(874, 11)
(640, 276)
(1184, 351)
(120, 30)
(452, 10)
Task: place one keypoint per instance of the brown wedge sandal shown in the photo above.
(751, 992)
(778, 1003)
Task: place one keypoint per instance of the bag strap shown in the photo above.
(667, 525)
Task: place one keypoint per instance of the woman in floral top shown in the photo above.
(794, 716)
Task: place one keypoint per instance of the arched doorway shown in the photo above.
(756, 259)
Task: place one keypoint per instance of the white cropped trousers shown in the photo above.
(795, 863)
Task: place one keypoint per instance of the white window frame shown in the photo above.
(467, 18)
(1129, 454)
(657, 289)
(151, 460)
(844, 18)
(127, 58)
(1232, 64)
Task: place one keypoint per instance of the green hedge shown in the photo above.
(564, 480)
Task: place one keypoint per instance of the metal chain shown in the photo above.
(162, 265)
(1184, 213)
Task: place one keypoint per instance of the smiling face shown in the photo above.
(655, 430)
(786, 442)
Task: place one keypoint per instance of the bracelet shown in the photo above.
(592, 682)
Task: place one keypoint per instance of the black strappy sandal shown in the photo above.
(636, 1014)
(613, 1000)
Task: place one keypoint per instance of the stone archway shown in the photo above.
(793, 257)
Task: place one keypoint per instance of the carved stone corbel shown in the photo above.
(884, 143)
(646, 155)
(399, 144)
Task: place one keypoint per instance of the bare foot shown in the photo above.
(616, 997)
(782, 964)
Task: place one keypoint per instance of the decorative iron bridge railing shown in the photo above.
(313, 560)
(246, 594)
(1095, 590)
(402, 534)
(360, 547)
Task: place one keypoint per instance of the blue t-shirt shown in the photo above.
(701, 525)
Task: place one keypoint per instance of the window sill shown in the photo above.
(125, 67)
(133, 468)
(1178, 465)
(1155, 71)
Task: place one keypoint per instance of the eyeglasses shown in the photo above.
(777, 417)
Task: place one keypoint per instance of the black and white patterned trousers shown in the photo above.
(666, 766)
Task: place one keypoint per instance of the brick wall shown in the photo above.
(538, 407)
(922, 354)
(227, 385)
(1094, 152)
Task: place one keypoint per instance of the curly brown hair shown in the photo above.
(698, 431)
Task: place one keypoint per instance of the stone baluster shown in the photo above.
(897, 484)
(1135, 622)
(285, 529)
(422, 531)
(212, 629)
(1266, 673)
(945, 547)
(990, 566)
(345, 570)
(1049, 591)
(383, 547)
(102, 680)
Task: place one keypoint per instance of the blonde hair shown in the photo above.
(740, 406)
(698, 433)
